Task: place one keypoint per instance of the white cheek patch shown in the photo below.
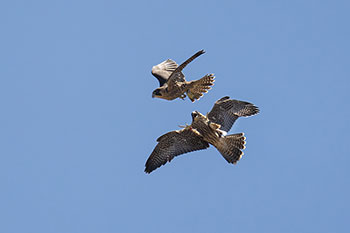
(221, 132)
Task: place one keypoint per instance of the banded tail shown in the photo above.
(230, 147)
(198, 87)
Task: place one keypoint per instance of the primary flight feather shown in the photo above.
(204, 131)
(173, 84)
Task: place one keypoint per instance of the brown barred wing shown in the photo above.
(173, 144)
(177, 75)
(226, 111)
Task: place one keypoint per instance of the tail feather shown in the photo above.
(198, 87)
(230, 147)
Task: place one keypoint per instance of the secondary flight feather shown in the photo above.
(204, 131)
(173, 84)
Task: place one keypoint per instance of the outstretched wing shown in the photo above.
(163, 70)
(172, 144)
(226, 111)
(177, 75)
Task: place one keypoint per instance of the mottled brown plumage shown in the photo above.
(205, 130)
(173, 83)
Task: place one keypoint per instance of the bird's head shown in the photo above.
(157, 93)
(195, 114)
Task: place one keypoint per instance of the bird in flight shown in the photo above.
(173, 84)
(203, 131)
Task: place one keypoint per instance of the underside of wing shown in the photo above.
(226, 111)
(172, 144)
(163, 70)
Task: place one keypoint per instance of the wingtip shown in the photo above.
(257, 110)
(147, 171)
(254, 110)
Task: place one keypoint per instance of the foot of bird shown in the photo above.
(183, 96)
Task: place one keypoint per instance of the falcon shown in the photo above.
(204, 131)
(173, 84)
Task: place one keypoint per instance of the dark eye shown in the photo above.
(157, 92)
(194, 115)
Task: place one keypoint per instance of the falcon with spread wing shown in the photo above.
(205, 130)
(173, 83)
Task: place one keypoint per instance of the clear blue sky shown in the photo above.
(78, 122)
